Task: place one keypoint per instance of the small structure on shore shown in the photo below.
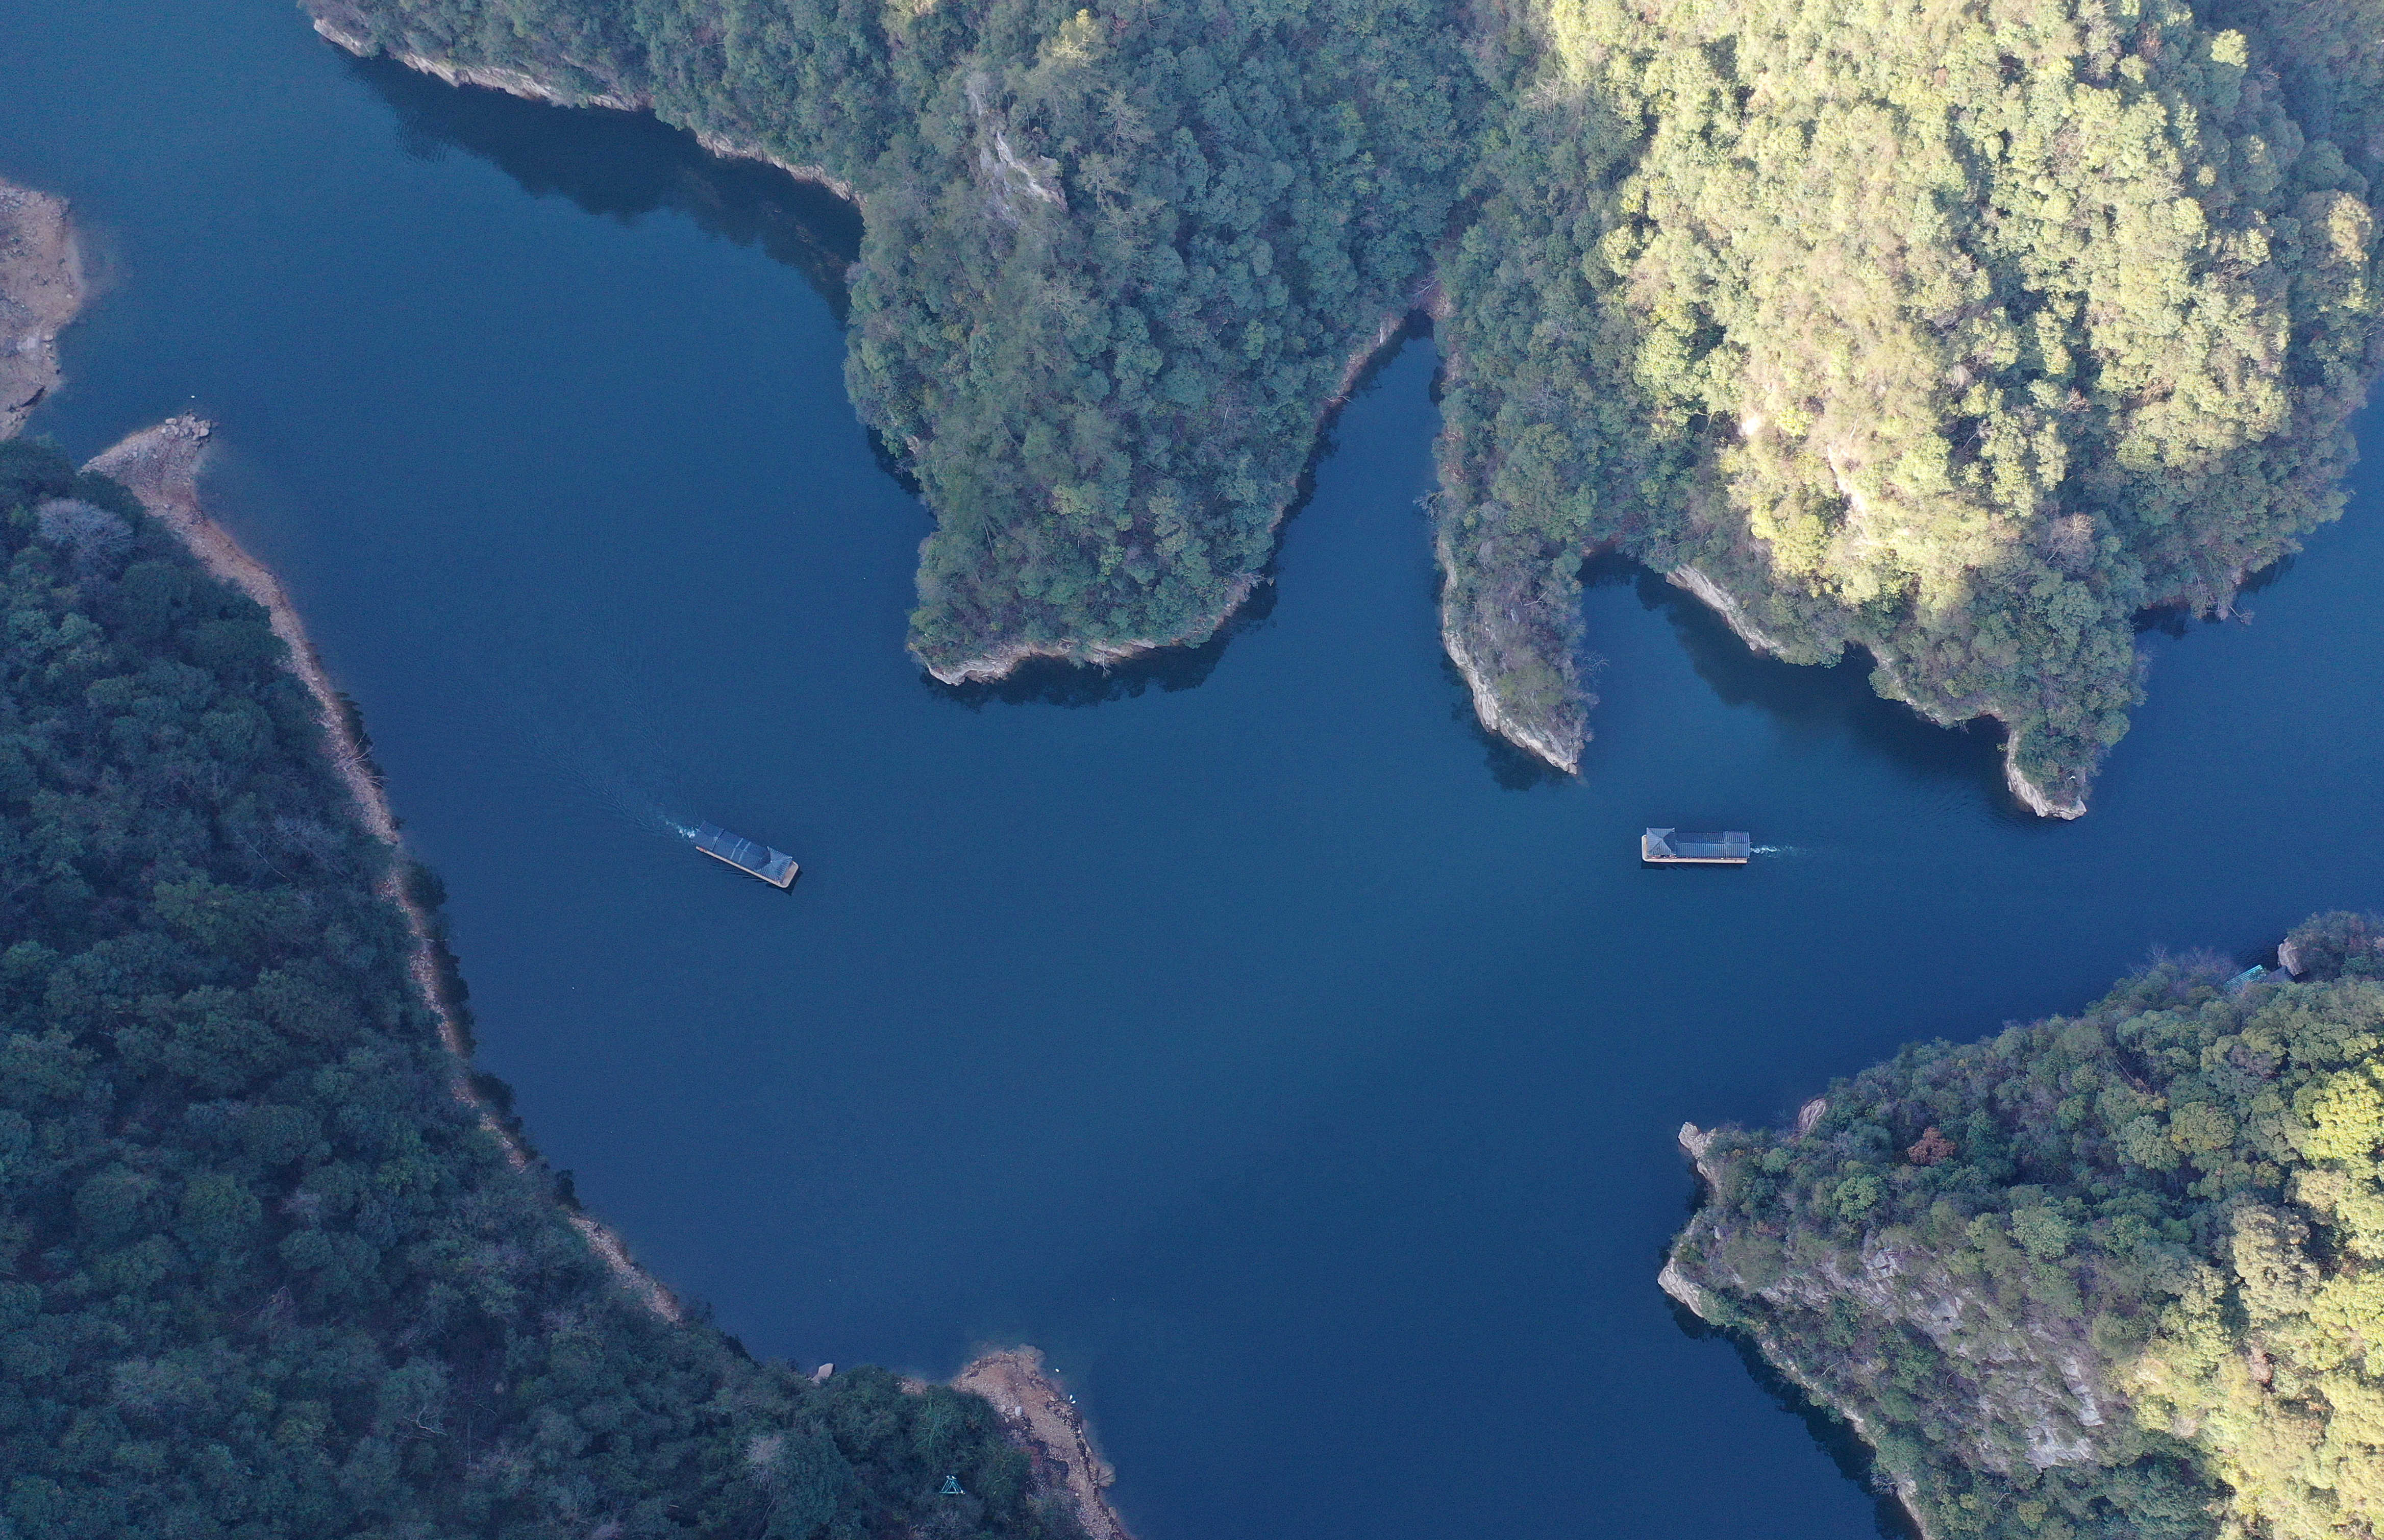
(1674, 848)
(775, 868)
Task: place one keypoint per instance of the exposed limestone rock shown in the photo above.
(41, 291)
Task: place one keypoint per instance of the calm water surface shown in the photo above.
(1297, 1068)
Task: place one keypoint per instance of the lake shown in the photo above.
(1297, 1068)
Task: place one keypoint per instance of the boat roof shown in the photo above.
(750, 854)
(1725, 844)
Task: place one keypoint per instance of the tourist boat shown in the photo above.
(775, 868)
(1674, 848)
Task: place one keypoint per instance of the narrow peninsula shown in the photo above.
(1958, 337)
(2114, 1274)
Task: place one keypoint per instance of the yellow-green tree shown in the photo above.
(2119, 1275)
(2272, 1364)
(1962, 331)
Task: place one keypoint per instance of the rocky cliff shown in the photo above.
(2111, 1275)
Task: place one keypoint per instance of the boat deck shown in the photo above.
(1675, 848)
(775, 868)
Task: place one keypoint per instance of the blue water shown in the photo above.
(1297, 1068)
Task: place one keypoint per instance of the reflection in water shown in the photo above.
(1853, 1459)
(1514, 769)
(2178, 621)
(622, 165)
(1050, 682)
(1809, 701)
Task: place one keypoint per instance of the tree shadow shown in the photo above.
(1056, 682)
(2178, 621)
(1816, 701)
(623, 166)
(1833, 1435)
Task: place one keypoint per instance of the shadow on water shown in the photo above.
(1515, 769)
(1053, 682)
(2178, 621)
(626, 165)
(1832, 1435)
(891, 464)
(1812, 701)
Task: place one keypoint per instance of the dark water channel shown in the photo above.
(1296, 1068)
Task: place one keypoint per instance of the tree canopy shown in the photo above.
(262, 1274)
(1961, 332)
(2120, 1273)
(1115, 262)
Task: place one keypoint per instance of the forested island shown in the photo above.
(274, 1261)
(2116, 1274)
(1963, 335)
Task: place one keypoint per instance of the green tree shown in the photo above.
(2136, 1295)
(261, 1274)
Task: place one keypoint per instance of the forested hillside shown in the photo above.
(1115, 264)
(1959, 334)
(2118, 1274)
(1962, 333)
(262, 1274)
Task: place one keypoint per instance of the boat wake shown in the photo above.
(653, 817)
(626, 796)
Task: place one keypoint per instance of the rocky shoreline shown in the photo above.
(1691, 1296)
(999, 662)
(1005, 660)
(1561, 751)
(41, 291)
(160, 465)
(2033, 796)
(1041, 1418)
(1718, 599)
